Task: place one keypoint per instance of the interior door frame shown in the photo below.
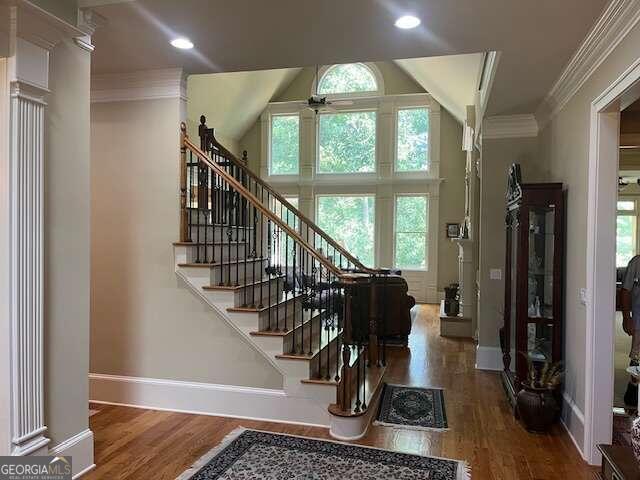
(601, 250)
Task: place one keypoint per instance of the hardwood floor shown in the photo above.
(133, 443)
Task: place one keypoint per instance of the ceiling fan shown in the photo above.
(317, 102)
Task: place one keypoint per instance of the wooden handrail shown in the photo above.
(233, 159)
(257, 204)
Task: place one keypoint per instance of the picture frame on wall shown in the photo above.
(453, 230)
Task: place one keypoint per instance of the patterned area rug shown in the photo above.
(256, 455)
(412, 407)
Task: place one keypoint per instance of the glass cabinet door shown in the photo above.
(540, 297)
(513, 310)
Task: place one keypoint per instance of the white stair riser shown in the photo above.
(298, 339)
(218, 233)
(236, 272)
(325, 393)
(216, 253)
(281, 316)
(263, 293)
(318, 366)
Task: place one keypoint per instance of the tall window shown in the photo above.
(347, 142)
(412, 140)
(347, 78)
(350, 221)
(410, 245)
(285, 145)
(626, 232)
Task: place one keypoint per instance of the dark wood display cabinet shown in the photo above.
(533, 311)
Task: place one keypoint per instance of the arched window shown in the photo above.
(349, 78)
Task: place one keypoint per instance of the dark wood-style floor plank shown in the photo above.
(140, 444)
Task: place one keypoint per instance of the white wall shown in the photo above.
(144, 321)
(565, 145)
(5, 372)
(67, 243)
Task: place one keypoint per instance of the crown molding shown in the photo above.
(140, 85)
(612, 27)
(510, 126)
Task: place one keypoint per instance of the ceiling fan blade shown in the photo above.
(342, 102)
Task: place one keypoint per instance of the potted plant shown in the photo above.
(536, 402)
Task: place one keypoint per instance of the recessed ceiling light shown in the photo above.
(182, 43)
(407, 21)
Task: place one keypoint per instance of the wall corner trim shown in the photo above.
(510, 126)
(572, 419)
(610, 29)
(80, 448)
(489, 358)
(141, 85)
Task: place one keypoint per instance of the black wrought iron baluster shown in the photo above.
(383, 320)
(269, 270)
(254, 252)
(364, 378)
(261, 251)
(238, 205)
(314, 310)
(293, 280)
(340, 296)
(229, 211)
(277, 234)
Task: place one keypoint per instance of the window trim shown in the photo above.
(426, 233)
(374, 196)
(412, 173)
(270, 144)
(372, 67)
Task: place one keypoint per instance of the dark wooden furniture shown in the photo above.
(533, 310)
(618, 463)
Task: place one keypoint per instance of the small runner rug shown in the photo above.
(412, 407)
(256, 455)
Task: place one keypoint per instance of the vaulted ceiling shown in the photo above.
(536, 39)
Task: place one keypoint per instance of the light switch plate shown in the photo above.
(495, 274)
(583, 296)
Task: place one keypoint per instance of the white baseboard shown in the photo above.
(207, 399)
(80, 449)
(489, 358)
(572, 419)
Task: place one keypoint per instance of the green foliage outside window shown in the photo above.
(350, 221)
(347, 142)
(285, 144)
(413, 140)
(411, 232)
(347, 78)
(625, 239)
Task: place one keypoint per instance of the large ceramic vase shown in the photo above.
(538, 408)
(635, 438)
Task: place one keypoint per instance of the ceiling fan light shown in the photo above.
(407, 22)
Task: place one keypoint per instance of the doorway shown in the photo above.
(601, 251)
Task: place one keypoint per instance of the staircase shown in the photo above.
(303, 301)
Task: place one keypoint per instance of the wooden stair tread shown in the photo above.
(327, 340)
(266, 307)
(310, 314)
(373, 383)
(241, 286)
(226, 262)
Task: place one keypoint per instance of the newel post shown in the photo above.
(184, 228)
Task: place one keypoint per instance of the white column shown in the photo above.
(28, 73)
